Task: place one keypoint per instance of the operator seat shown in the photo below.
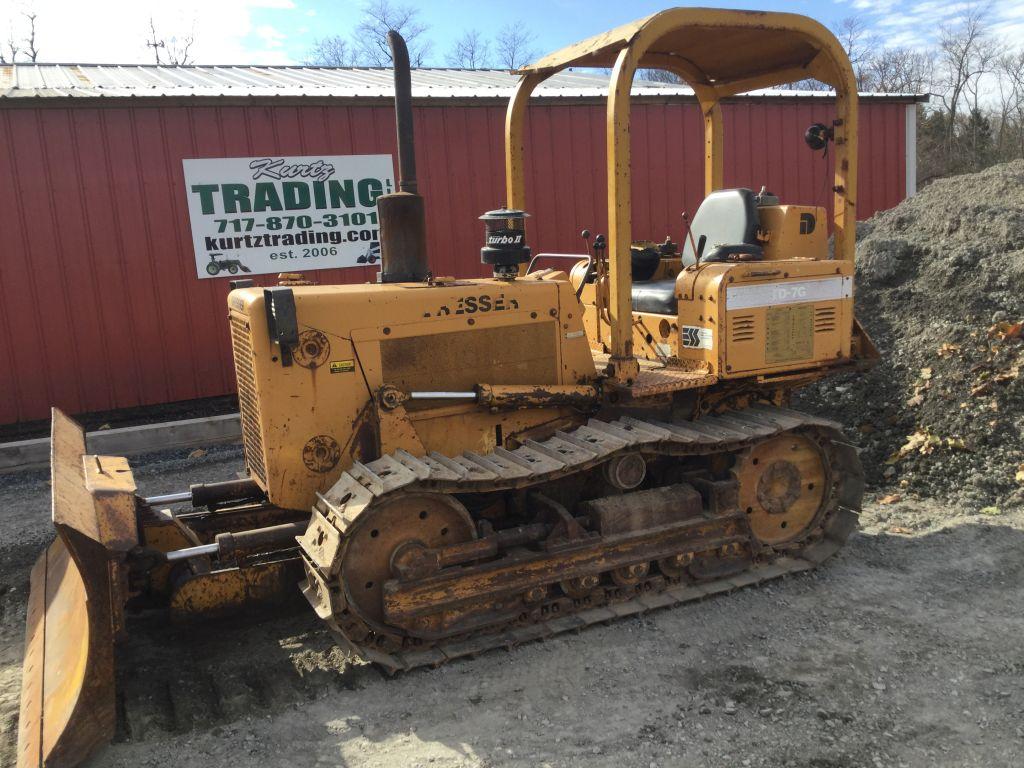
(724, 229)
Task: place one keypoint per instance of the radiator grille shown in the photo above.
(824, 319)
(742, 328)
(241, 341)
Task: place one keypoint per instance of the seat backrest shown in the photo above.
(726, 217)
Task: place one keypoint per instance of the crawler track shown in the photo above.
(363, 488)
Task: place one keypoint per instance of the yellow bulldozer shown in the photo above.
(443, 466)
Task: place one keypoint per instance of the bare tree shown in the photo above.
(900, 70)
(12, 49)
(860, 46)
(27, 47)
(371, 34)
(987, 56)
(515, 46)
(178, 49)
(333, 51)
(175, 49)
(30, 39)
(1010, 85)
(154, 42)
(470, 51)
(962, 61)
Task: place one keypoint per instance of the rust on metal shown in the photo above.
(233, 591)
(501, 396)
(235, 543)
(782, 482)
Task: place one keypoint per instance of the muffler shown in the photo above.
(403, 223)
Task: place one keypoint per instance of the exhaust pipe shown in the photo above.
(403, 224)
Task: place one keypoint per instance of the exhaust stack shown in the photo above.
(403, 225)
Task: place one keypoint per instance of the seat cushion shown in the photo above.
(643, 262)
(726, 217)
(658, 296)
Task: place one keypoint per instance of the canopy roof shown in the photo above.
(715, 47)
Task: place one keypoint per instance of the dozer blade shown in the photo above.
(75, 607)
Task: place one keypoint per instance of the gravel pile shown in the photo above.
(940, 290)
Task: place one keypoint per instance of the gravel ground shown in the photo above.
(904, 650)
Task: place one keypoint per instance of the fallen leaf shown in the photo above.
(901, 530)
(1005, 331)
(948, 350)
(915, 401)
(925, 442)
(991, 511)
(1019, 477)
(102, 426)
(981, 389)
(198, 453)
(915, 442)
(892, 498)
(926, 373)
(1009, 375)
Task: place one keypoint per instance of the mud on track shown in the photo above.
(903, 650)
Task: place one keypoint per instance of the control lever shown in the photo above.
(585, 234)
(688, 234)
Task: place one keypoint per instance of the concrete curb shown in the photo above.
(127, 441)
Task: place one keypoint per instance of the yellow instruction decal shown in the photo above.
(790, 333)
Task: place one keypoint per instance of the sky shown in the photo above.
(284, 31)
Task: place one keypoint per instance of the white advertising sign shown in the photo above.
(264, 215)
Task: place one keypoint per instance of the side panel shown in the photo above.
(301, 424)
(770, 318)
(305, 423)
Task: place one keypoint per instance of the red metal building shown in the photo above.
(100, 306)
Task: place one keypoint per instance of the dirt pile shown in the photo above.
(940, 289)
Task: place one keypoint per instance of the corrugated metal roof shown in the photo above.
(137, 81)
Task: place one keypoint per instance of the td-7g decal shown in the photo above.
(470, 305)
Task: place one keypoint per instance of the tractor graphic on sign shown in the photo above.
(231, 266)
(372, 255)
